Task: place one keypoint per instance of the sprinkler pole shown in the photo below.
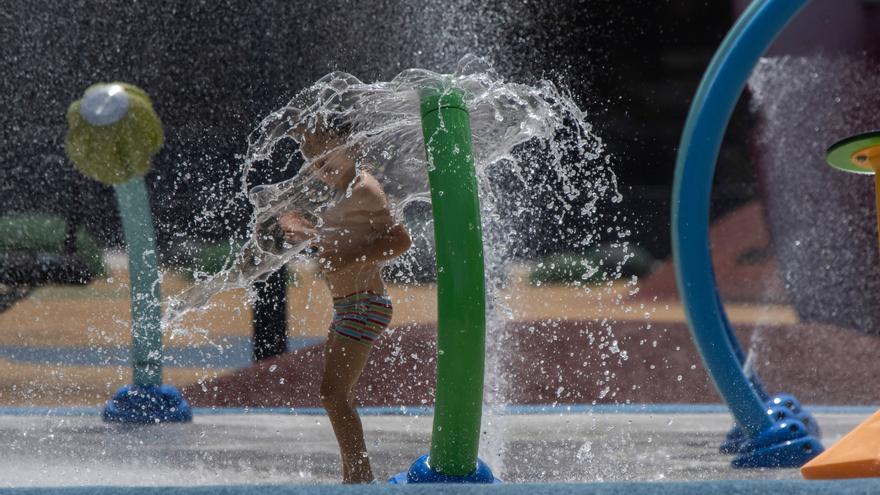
(769, 436)
(113, 134)
(140, 242)
(461, 296)
(461, 292)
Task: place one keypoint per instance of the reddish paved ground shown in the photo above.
(743, 259)
(571, 361)
(558, 364)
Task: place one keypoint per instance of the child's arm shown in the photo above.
(296, 228)
(392, 243)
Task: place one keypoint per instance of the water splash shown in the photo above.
(544, 183)
(537, 161)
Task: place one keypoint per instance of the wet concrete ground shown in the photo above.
(282, 449)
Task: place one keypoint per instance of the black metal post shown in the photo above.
(270, 305)
(270, 316)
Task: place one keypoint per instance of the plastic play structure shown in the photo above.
(859, 154)
(113, 133)
(771, 431)
(857, 454)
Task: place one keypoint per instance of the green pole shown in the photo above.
(461, 293)
(140, 241)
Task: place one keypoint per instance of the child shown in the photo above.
(357, 235)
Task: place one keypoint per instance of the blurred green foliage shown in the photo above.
(604, 263)
(213, 258)
(46, 233)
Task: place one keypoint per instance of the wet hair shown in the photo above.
(325, 108)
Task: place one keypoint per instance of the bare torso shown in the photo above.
(357, 219)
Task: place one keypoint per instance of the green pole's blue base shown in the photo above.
(421, 472)
(147, 404)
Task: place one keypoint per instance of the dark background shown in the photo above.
(215, 68)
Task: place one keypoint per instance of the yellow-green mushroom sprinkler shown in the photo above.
(859, 154)
(113, 134)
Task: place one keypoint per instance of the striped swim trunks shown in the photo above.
(361, 316)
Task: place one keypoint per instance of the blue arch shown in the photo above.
(707, 120)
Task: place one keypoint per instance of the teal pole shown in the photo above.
(140, 241)
(461, 294)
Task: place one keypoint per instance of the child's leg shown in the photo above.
(344, 360)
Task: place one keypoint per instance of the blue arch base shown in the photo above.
(421, 472)
(780, 407)
(786, 444)
(147, 404)
(768, 432)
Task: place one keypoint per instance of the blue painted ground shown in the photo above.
(741, 487)
(417, 411)
(229, 352)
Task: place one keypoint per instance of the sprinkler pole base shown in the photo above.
(779, 407)
(422, 472)
(147, 404)
(786, 444)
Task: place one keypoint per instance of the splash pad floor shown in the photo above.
(238, 449)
